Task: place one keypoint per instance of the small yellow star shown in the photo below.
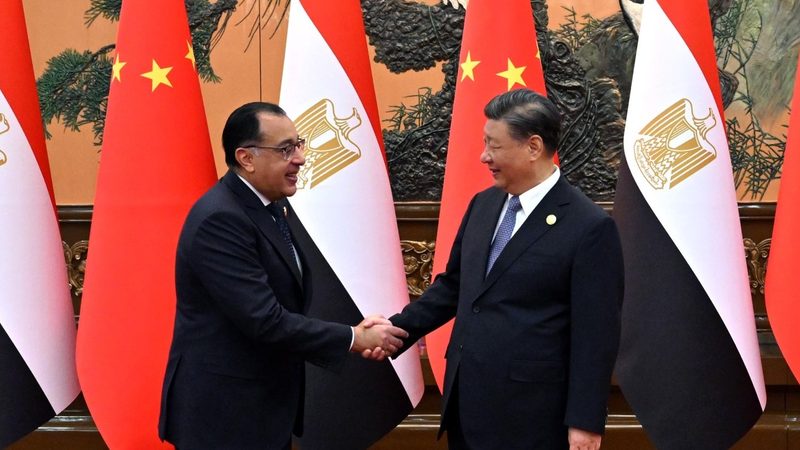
(116, 69)
(190, 55)
(513, 75)
(158, 75)
(467, 68)
(538, 53)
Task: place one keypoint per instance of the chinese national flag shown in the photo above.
(783, 284)
(491, 63)
(156, 161)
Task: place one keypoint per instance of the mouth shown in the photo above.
(291, 177)
(494, 171)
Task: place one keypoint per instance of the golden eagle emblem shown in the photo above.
(328, 146)
(673, 146)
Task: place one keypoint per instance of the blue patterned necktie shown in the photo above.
(504, 232)
(277, 213)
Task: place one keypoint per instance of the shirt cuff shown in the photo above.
(352, 338)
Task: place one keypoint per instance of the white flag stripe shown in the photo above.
(36, 309)
(350, 215)
(700, 214)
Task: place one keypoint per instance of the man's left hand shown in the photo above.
(583, 440)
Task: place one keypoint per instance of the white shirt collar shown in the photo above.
(261, 197)
(530, 199)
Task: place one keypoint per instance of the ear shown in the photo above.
(536, 147)
(245, 159)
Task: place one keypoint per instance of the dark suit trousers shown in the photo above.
(456, 440)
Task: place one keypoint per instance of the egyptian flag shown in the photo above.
(689, 361)
(345, 202)
(37, 324)
(491, 63)
(783, 284)
(155, 162)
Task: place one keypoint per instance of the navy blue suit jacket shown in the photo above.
(535, 340)
(235, 375)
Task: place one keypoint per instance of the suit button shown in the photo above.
(460, 347)
(476, 309)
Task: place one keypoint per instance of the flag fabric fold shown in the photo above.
(490, 64)
(156, 161)
(689, 358)
(345, 203)
(37, 323)
(783, 284)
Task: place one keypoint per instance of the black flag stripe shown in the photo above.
(678, 366)
(23, 404)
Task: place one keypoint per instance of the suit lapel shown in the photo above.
(476, 244)
(556, 202)
(258, 213)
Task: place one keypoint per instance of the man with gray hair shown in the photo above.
(535, 282)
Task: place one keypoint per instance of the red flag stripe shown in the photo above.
(18, 83)
(340, 23)
(693, 22)
(782, 282)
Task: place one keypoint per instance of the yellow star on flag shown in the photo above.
(190, 55)
(116, 69)
(158, 75)
(513, 75)
(467, 68)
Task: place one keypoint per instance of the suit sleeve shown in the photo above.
(439, 302)
(596, 298)
(223, 255)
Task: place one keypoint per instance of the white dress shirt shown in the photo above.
(528, 200)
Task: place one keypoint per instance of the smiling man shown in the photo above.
(235, 376)
(534, 282)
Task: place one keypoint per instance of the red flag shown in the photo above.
(37, 322)
(782, 281)
(488, 67)
(156, 161)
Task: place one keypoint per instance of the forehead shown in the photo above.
(276, 129)
(496, 130)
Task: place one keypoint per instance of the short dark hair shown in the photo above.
(527, 113)
(243, 128)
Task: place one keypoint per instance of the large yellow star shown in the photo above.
(467, 68)
(116, 69)
(158, 75)
(190, 55)
(513, 75)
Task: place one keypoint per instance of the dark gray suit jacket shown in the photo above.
(235, 375)
(535, 340)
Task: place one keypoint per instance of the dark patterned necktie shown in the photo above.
(277, 213)
(504, 231)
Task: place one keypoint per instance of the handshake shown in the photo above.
(376, 338)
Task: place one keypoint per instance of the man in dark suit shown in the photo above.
(534, 282)
(235, 375)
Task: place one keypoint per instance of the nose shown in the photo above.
(485, 156)
(299, 156)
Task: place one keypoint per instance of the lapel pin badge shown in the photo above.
(285, 212)
(551, 219)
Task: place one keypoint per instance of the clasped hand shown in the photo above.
(376, 338)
